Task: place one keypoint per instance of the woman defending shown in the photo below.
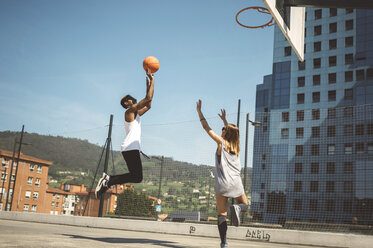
(228, 183)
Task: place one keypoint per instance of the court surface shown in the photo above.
(27, 234)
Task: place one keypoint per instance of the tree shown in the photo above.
(131, 203)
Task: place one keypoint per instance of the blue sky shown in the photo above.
(64, 66)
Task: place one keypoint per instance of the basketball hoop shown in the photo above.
(260, 10)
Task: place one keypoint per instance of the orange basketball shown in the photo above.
(151, 63)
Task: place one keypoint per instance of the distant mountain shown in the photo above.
(76, 161)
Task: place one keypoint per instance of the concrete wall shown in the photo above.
(191, 229)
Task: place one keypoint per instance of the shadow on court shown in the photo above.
(128, 241)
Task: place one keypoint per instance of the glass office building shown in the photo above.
(313, 155)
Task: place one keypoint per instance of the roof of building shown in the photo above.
(9, 154)
(57, 191)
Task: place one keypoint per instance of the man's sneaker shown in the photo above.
(102, 185)
(223, 245)
(235, 212)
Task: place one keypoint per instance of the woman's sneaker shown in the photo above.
(223, 245)
(235, 210)
(102, 185)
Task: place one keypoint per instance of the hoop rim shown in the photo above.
(262, 10)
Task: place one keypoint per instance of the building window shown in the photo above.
(299, 132)
(25, 208)
(329, 186)
(359, 148)
(317, 46)
(348, 168)
(349, 59)
(37, 182)
(332, 95)
(332, 78)
(262, 185)
(297, 204)
(299, 150)
(332, 44)
(298, 169)
(349, 11)
(29, 180)
(300, 98)
(349, 41)
(284, 133)
(347, 187)
(348, 148)
(370, 128)
(315, 132)
(349, 24)
(360, 75)
(39, 169)
(348, 111)
(13, 178)
(370, 73)
(316, 79)
(301, 81)
(314, 186)
(263, 166)
(347, 206)
(330, 205)
(315, 97)
(330, 167)
(317, 30)
(265, 128)
(314, 168)
(4, 176)
(263, 157)
(313, 205)
(332, 60)
(332, 113)
(35, 196)
(359, 129)
(349, 94)
(32, 167)
(332, 12)
(301, 65)
(331, 149)
(297, 186)
(333, 27)
(28, 194)
(348, 130)
(300, 115)
(285, 116)
(315, 114)
(349, 76)
(315, 149)
(318, 14)
(316, 63)
(33, 208)
(287, 51)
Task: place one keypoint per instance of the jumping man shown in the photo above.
(131, 145)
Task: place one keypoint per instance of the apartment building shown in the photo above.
(29, 182)
(313, 155)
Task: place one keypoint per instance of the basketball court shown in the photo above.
(27, 234)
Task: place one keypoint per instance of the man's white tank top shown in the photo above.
(133, 135)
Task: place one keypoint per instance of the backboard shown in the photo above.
(291, 21)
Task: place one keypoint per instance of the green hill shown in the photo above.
(75, 161)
